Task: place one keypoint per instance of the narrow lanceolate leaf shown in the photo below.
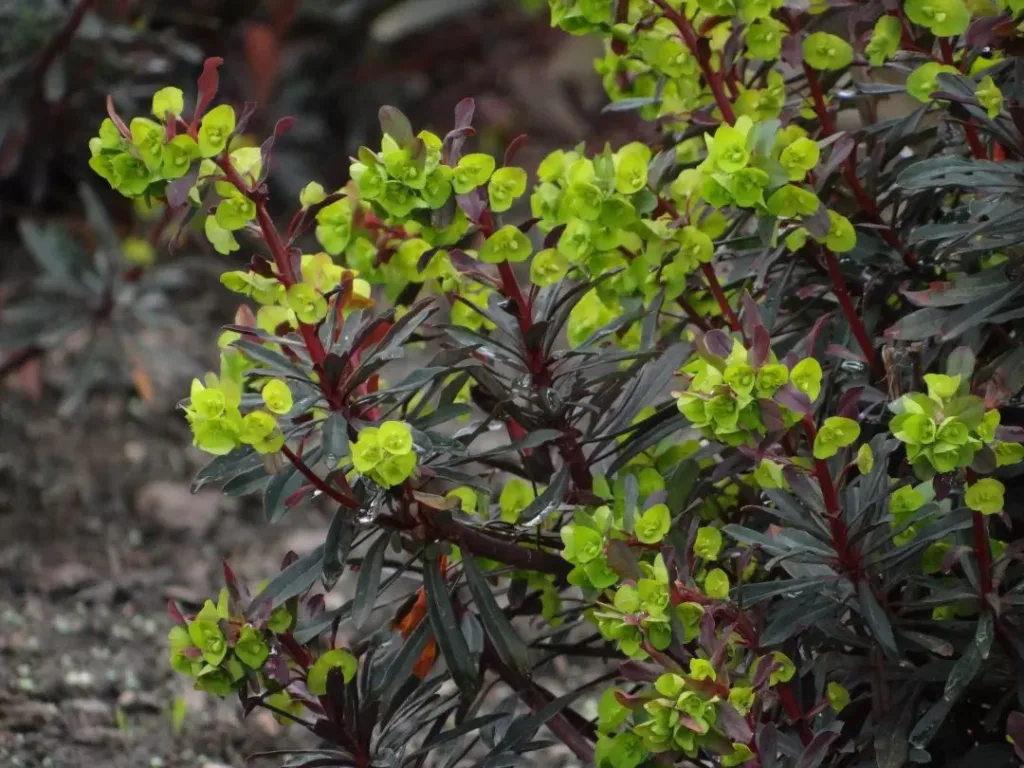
(876, 619)
(523, 728)
(281, 487)
(227, 467)
(404, 660)
(336, 548)
(369, 581)
(509, 645)
(293, 580)
(446, 629)
(458, 731)
(964, 671)
(815, 752)
(275, 361)
(548, 501)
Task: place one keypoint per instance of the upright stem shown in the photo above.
(982, 551)
(982, 546)
(788, 700)
(716, 289)
(846, 303)
(286, 273)
(317, 482)
(848, 558)
(568, 446)
(715, 80)
(850, 170)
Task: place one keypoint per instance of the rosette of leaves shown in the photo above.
(109, 291)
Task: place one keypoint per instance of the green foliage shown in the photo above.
(745, 420)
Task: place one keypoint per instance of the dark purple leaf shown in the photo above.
(816, 751)
(836, 350)
(447, 631)
(513, 147)
(792, 398)
(768, 745)
(771, 414)
(177, 190)
(917, 326)
(876, 619)
(116, 119)
(840, 151)
(848, 402)
(622, 560)
(640, 672)
(209, 82)
(731, 723)
(551, 238)
(396, 125)
(464, 112)
(529, 224)
(248, 109)
(717, 343)
(266, 149)
(750, 315)
(760, 347)
(507, 642)
(818, 223)
(984, 461)
(472, 204)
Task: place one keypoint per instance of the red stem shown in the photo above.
(719, 294)
(865, 201)
(856, 324)
(982, 548)
(286, 273)
(849, 560)
(982, 551)
(793, 710)
(317, 482)
(715, 80)
(970, 128)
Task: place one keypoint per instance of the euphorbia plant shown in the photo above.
(752, 377)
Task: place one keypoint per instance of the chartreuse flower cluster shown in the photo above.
(944, 429)
(218, 426)
(737, 399)
(223, 651)
(141, 158)
(682, 710)
(282, 309)
(385, 453)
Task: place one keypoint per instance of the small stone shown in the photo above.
(67, 578)
(89, 712)
(26, 716)
(176, 508)
(79, 678)
(135, 451)
(133, 701)
(96, 735)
